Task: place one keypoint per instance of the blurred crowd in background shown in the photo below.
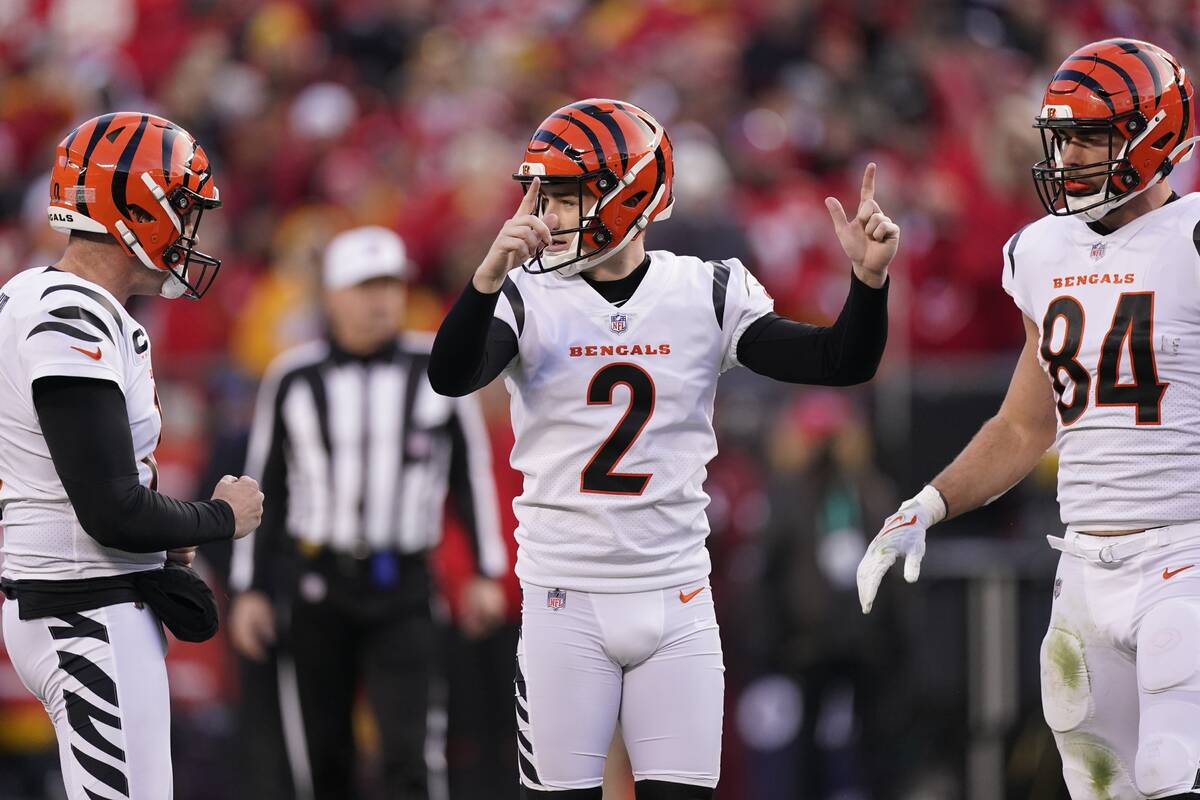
(412, 114)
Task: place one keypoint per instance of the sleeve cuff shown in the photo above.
(99, 370)
(857, 284)
(477, 296)
(228, 521)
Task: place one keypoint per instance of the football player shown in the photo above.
(1109, 285)
(84, 528)
(612, 354)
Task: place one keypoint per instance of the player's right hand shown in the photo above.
(519, 240)
(246, 500)
(252, 625)
(903, 534)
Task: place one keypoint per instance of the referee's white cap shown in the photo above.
(360, 254)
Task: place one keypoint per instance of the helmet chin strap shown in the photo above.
(584, 264)
(552, 260)
(639, 225)
(172, 287)
(1100, 211)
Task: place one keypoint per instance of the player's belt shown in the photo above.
(1134, 544)
(43, 598)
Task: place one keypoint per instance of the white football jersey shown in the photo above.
(55, 323)
(612, 410)
(1119, 316)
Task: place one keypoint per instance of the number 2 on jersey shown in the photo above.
(1132, 330)
(598, 476)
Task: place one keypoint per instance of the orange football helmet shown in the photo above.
(619, 159)
(144, 181)
(1141, 97)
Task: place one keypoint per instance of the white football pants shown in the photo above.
(650, 659)
(1121, 664)
(102, 677)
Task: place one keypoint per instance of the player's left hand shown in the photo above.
(902, 534)
(182, 555)
(483, 607)
(870, 239)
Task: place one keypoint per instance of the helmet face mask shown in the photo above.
(1051, 176)
(618, 159)
(182, 256)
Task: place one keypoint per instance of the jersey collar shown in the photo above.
(1103, 230)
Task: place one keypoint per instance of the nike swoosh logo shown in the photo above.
(686, 598)
(1171, 573)
(92, 354)
(894, 528)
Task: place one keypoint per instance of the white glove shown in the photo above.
(903, 533)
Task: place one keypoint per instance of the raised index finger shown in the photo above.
(868, 184)
(529, 201)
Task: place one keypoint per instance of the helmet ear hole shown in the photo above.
(633, 201)
(139, 214)
(1162, 141)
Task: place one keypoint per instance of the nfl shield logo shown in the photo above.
(618, 323)
(1098, 250)
(556, 599)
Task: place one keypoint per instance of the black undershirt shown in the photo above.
(619, 291)
(86, 427)
(473, 347)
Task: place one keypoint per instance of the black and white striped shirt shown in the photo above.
(358, 455)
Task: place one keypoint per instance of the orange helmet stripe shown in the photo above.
(610, 125)
(562, 145)
(1151, 67)
(170, 134)
(1121, 73)
(101, 126)
(120, 178)
(1083, 79)
(636, 119)
(597, 148)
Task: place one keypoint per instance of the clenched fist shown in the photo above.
(245, 499)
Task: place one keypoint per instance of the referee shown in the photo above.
(357, 455)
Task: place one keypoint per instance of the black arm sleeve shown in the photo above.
(472, 347)
(86, 428)
(845, 353)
